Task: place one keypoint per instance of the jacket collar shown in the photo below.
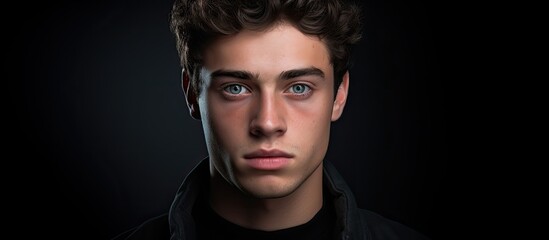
(349, 223)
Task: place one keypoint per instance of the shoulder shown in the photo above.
(154, 228)
(384, 228)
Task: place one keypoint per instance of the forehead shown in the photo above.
(276, 49)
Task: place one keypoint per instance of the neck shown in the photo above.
(267, 214)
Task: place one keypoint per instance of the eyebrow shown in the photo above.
(244, 75)
(294, 73)
(285, 75)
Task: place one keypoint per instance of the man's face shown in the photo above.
(266, 105)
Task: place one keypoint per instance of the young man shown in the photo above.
(266, 78)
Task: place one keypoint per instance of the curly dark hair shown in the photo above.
(196, 23)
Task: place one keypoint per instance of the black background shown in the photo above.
(102, 136)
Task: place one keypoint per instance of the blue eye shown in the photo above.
(300, 88)
(235, 89)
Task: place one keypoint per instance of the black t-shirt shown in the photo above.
(209, 225)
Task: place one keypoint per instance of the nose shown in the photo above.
(268, 118)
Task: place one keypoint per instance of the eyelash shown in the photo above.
(227, 87)
(226, 90)
(307, 90)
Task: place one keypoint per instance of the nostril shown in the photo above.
(267, 129)
(255, 132)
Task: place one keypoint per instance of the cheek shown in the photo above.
(311, 119)
(317, 108)
(226, 120)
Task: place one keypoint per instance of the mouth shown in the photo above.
(268, 160)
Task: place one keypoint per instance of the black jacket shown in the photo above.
(352, 223)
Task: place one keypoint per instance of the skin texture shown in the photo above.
(264, 91)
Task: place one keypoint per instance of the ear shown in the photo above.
(341, 97)
(190, 95)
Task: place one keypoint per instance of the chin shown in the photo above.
(269, 195)
(262, 190)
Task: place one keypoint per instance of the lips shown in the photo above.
(275, 153)
(268, 159)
